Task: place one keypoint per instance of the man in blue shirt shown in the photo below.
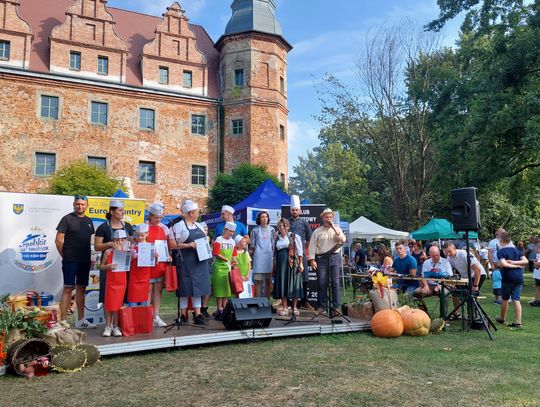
(227, 213)
(512, 262)
(405, 264)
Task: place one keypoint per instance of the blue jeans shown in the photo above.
(511, 290)
(329, 266)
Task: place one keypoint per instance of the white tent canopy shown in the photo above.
(363, 228)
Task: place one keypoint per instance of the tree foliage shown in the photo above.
(383, 124)
(239, 184)
(80, 178)
(335, 176)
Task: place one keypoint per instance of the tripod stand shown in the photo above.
(330, 313)
(178, 320)
(473, 306)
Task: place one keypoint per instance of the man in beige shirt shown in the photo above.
(325, 257)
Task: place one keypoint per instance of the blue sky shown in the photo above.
(327, 36)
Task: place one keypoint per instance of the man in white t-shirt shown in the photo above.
(434, 267)
(458, 260)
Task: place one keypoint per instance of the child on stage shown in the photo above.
(224, 250)
(116, 284)
(244, 260)
(139, 277)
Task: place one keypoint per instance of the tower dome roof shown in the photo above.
(253, 15)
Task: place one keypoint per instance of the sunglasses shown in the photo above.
(83, 197)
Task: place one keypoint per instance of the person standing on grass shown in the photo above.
(530, 252)
(73, 243)
(536, 276)
(512, 262)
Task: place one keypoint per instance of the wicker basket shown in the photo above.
(24, 351)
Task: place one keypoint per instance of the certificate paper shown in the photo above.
(122, 259)
(146, 255)
(162, 250)
(203, 249)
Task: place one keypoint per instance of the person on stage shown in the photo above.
(139, 277)
(301, 227)
(243, 258)
(157, 231)
(104, 237)
(262, 250)
(224, 250)
(227, 213)
(193, 273)
(116, 285)
(288, 282)
(73, 237)
(325, 257)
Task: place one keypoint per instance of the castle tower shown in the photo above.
(253, 78)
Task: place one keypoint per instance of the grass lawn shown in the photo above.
(453, 368)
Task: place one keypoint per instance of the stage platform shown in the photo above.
(215, 332)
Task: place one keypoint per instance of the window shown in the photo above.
(198, 175)
(239, 77)
(99, 162)
(5, 47)
(281, 84)
(75, 61)
(146, 119)
(282, 177)
(99, 113)
(45, 164)
(49, 107)
(282, 132)
(102, 65)
(198, 124)
(147, 172)
(163, 75)
(188, 79)
(237, 127)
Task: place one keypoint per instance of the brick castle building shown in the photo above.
(151, 100)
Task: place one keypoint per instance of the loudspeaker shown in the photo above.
(244, 313)
(465, 209)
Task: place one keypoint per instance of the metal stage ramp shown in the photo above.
(215, 332)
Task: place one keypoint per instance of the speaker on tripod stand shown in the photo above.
(465, 210)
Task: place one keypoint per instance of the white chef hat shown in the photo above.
(119, 234)
(295, 202)
(189, 206)
(238, 238)
(227, 208)
(231, 226)
(142, 228)
(156, 209)
(116, 203)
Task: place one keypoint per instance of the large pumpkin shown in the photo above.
(415, 322)
(387, 324)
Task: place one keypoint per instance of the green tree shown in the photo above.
(80, 178)
(383, 124)
(335, 176)
(239, 184)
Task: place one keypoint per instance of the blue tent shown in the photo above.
(120, 194)
(267, 196)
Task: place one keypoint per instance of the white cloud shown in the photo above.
(303, 137)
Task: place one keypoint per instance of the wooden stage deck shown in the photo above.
(215, 332)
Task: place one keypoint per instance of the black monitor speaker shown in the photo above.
(465, 209)
(245, 313)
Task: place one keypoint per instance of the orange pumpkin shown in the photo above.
(415, 322)
(387, 323)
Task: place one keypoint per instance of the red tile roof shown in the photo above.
(135, 28)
